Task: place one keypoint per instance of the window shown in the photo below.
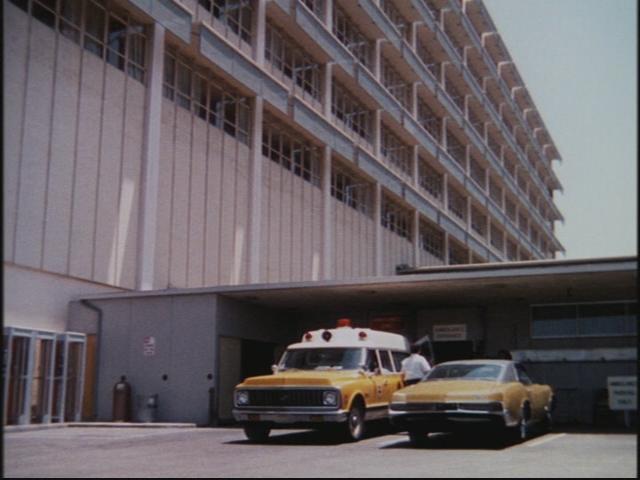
(457, 150)
(395, 84)
(584, 320)
(430, 179)
(290, 151)
(457, 204)
(510, 208)
(512, 251)
(316, 6)
(394, 15)
(395, 152)
(236, 15)
(349, 112)
(497, 238)
(432, 240)
(428, 59)
(395, 218)
(351, 37)
(348, 189)
(458, 255)
(291, 61)
(207, 96)
(429, 120)
(454, 94)
(477, 173)
(478, 222)
(495, 193)
(110, 34)
(385, 360)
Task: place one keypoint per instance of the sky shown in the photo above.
(579, 62)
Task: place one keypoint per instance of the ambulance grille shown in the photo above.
(285, 398)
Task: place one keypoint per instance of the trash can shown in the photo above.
(122, 401)
(147, 408)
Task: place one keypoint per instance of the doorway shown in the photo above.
(448, 351)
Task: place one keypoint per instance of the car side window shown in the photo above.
(372, 361)
(385, 359)
(398, 357)
(522, 375)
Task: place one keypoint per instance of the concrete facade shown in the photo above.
(157, 145)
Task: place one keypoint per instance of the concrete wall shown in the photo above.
(354, 242)
(73, 142)
(182, 367)
(40, 300)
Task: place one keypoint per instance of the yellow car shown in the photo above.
(340, 377)
(467, 394)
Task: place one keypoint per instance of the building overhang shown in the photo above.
(602, 279)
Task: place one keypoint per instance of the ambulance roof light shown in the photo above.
(344, 322)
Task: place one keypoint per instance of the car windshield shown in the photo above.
(465, 371)
(322, 359)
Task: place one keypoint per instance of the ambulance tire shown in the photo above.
(354, 428)
(257, 433)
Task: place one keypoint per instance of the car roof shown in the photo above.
(479, 361)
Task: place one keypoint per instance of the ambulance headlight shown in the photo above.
(242, 398)
(330, 398)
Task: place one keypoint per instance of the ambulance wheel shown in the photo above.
(257, 433)
(355, 422)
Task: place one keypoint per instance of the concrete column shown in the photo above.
(444, 133)
(446, 248)
(466, 107)
(414, 34)
(255, 201)
(443, 77)
(327, 216)
(445, 191)
(377, 133)
(415, 166)
(377, 58)
(328, 86)
(259, 28)
(151, 161)
(328, 14)
(414, 99)
(469, 213)
(377, 219)
(467, 159)
(416, 238)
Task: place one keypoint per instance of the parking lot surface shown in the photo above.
(224, 452)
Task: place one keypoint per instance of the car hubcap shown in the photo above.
(355, 423)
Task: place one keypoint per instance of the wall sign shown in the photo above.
(450, 333)
(623, 393)
(149, 346)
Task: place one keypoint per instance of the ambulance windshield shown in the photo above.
(322, 359)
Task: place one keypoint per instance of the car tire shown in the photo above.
(354, 429)
(257, 433)
(524, 425)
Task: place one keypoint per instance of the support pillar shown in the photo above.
(327, 216)
(151, 161)
(255, 205)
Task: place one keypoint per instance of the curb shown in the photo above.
(47, 426)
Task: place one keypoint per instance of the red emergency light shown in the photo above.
(344, 322)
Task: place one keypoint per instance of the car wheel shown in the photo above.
(257, 433)
(524, 429)
(355, 422)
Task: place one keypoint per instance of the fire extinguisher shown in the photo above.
(122, 401)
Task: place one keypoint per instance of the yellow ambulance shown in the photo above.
(341, 377)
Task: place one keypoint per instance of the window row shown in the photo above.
(395, 218)
(288, 150)
(236, 15)
(395, 152)
(206, 96)
(350, 190)
(108, 33)
(347, 32)
(349, 112)
(292, 62)
(584, 320)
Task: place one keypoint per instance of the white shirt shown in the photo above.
(415, 366)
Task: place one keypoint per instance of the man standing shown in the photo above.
(415, 366)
